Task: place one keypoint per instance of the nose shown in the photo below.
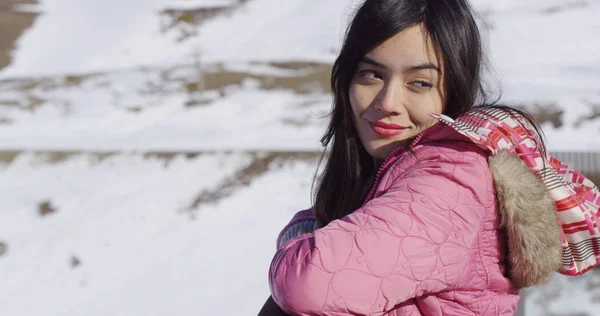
(390, 99)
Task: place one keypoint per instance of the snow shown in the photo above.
(527, 50)
(125, 219)
(112, 83)
(99, 37)
(191, 5)
(27, 8)
(566, 296)
(93, 118)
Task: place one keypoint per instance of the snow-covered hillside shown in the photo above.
(150, 150)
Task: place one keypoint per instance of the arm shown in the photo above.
(304, 222)
(271, 309)
(415, 239)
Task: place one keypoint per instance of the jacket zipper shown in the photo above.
(391, 158)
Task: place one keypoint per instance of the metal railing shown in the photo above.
(584, 162)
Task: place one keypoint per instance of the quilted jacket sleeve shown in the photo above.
(416, 238)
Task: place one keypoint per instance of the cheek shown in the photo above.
(354, 101)
(359, 105)
(436, 100)
(441, 96)
(434, 103)
(421, 106)
(358, 100)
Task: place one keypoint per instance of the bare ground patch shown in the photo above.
(546, 113)
(594, 177)
(593, 115)
(308, 77)
(7, 157)
(3, 248)
(12, 25)
(54, 157)
(261, 164)
(46, 208)
(29, 94)
(185, 21)
(568, 5)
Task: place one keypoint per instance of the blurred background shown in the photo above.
(151, 150)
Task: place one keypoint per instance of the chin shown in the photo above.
(380, 150)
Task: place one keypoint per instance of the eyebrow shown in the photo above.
(423, 66)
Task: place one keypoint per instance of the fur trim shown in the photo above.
(529, 216)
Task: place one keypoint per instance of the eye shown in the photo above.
(369, 74)
(421, 84)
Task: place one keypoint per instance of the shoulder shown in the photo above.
(449, 180)
(441, 153)
(450, 150)
(447, 165)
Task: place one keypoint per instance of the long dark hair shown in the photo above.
(451, 27)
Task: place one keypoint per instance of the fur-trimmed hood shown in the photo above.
(549, 210)
(529, 216)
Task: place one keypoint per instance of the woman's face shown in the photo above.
(394, 88)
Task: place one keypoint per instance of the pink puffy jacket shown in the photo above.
(428, 241)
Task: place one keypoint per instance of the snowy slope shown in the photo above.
(141, 250)
(142, 110)
(543, 52)
(243, 85)
(95, 36)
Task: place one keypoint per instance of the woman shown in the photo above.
(432, 202)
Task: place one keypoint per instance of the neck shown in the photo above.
(377, 163)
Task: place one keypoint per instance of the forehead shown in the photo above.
(409, 47)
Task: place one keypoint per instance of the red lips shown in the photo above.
(386, 129)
